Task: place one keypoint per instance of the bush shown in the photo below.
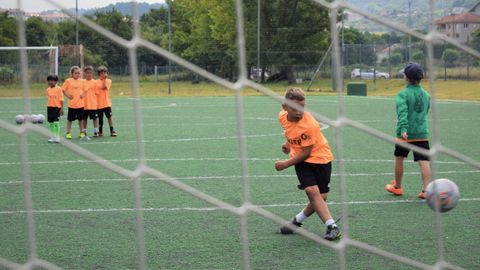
(6, 75)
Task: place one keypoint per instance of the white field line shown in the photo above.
(221, 177)
(203, 209)
(158, 141)
(204, 159)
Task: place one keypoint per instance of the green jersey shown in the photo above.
(413, 104)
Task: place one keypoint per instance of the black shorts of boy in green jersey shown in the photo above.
(311, 155)
(412, 106)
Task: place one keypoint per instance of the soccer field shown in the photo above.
(84, 215)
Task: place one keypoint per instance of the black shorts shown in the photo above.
(107, 111)
(90, 113)
(401, 151)
(75, 114)
(53, 114)
(311, 174)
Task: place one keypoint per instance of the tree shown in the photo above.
(112, 53)
(154, 28)
(450, 56)
(476, 40)
(396, 59)
(8, 30)
(418, 56)
(37, 32)
(290, 27)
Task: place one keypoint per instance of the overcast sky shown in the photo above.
(42, 5)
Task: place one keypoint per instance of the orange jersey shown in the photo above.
(91, 92)
(104, 93)
(75, 88)
(303, 133)
(54, 97)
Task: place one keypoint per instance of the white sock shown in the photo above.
(329, 222)
(300, 217)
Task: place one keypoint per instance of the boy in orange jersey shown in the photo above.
(73, 89)
(311, 155)
(104, 102)
(54, 107)
(91, 105)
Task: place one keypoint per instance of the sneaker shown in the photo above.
(95, 134)
(394, 190)
(85, 138)
(51, 140)
(68, 136)
(332, 233)
(286, 230)
(81, 135)
(100, 134)
(113, 134)
(421, 195)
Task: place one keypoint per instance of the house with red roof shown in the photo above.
(460, 26)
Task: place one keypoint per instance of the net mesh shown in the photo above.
(143, 170)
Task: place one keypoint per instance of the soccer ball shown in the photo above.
(19, 119)
(34, 118)
(442, 192)
(41, 118)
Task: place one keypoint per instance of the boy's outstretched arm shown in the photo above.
(304, 154)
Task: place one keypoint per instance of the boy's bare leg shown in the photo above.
(110, 122)
(426, 173)
(308, 210)
(69, 126)
(317, 203)
(398, 171)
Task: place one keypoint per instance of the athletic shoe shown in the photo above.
(95, 134)
(68, 136)
(100, 134)
(113, 133)
(86, 138)
(332, 233)
(51, 140)
(286, 230)
(394, 190)
(81, 135)
(421, 195)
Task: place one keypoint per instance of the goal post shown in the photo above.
(52, 54)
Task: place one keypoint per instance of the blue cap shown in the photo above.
(413, 71)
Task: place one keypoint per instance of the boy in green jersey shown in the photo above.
(413, 105)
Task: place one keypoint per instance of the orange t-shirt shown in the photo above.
(91, 92)
(104, 94)
(304, 133)
(55, 97)
(75, 88)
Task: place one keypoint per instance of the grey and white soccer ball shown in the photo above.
(34, 118)
(41, 118)
(19, 119)
(442, 193)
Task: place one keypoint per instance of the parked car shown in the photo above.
(368, 74)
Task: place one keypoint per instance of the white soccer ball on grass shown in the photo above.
(442, 193)
(19, 119)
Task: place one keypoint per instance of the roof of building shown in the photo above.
(468, 17)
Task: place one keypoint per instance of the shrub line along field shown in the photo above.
(85, 214)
